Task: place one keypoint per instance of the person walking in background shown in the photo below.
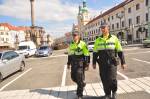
(106, 50)
(79, 59)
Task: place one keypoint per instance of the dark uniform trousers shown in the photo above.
(77, 74)
(108, 74)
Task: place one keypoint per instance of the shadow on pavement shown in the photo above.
(62, 94)
(93, 97)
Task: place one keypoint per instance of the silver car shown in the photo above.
(10, 62)
(44, 51)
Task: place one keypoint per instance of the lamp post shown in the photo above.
(149, 18)
(120, 16)
(132, 33)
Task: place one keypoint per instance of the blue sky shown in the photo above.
(56, 16)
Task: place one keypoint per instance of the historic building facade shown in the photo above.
(128, 20)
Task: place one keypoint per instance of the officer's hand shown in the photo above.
(124, 66)
(94, 66)
(68, 66)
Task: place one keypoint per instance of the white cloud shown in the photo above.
(58, 32)
(45, 10)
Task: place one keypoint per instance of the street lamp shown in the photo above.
(132, 32)
(149, 17)
(120, 16)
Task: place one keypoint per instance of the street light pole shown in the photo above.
(132, 33)
(149, 17)
(120, 16)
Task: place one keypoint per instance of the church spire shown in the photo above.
(84, 3)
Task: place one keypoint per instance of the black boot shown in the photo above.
(80, 97)
(107, 97)
(114, 95)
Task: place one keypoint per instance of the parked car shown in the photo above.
(44, 51)
(10, 62)
(27, 48)
(90, 46)
(146, 43)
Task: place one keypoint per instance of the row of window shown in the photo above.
(138, 20)
(93, 32)
(90, 38)
(3, 33)
(138, 36)
(4, 39)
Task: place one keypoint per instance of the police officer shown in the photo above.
(106, 50)
(79, 59)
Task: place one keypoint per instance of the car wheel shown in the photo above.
(144, 46)
(22, 66)
(1, 78)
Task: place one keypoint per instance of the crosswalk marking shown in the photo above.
(69, 92)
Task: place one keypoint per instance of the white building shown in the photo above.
(125, 21)
(10, 35)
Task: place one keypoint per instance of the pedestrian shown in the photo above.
(107, 48)
(79, 59)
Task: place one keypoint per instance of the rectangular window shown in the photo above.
(137, 34)
(146, 2)
(112, 17)
(146, 17)
(108, 19)
(138, 20)
(122, 23)
(137, 6)
(2, 33)
(117, 15)
(129, 10)
(2, 39)
(130, 22)
(117, 25)
(112, 26)
(7, 39)
(146, 31)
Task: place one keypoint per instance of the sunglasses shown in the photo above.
(74, 34)
(103, 27)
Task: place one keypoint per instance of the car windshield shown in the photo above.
(91, 43)
(23, 47)
(43, 48)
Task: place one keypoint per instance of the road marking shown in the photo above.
(58, 56)
(53, 56)
(148, 91)
(141, 60)
(130, 49)
(138, 53)
(15, 79)
(64, 76)
(124, 76)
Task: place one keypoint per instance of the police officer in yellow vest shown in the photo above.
(79, 59)
(106, 50)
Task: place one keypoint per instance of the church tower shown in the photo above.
(83, 16)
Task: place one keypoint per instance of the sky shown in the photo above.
(56, 16)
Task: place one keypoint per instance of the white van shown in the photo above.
(28, 48)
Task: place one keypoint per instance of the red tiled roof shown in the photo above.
(11, 27)
(111, 10)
